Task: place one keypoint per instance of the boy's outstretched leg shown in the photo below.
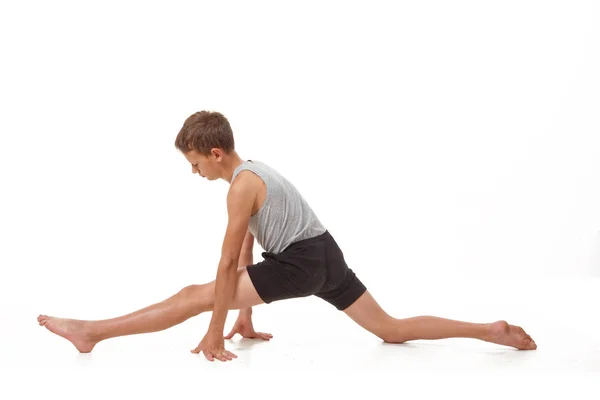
(368, 313)
(188, 302)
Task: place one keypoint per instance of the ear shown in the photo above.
(217, 153)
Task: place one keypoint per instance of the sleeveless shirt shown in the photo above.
(285, 216)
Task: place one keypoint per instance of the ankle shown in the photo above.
(91, 331)
(495, 329)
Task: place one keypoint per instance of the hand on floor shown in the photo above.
(243, 326)
(213, 346)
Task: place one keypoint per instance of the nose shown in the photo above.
(197, 171)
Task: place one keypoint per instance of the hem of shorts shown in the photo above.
(254, 281)
(347, 304)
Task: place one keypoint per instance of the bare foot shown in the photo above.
(71, 329)
(510, 335)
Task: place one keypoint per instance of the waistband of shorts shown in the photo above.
(310, 240)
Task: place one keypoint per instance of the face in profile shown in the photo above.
(205, 166)
(201, 164)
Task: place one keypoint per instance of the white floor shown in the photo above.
(318, 352)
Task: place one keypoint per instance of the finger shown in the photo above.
(265, 336)
(209, 356)
(230, 354)
(196, 350)
(220, 356)
(230, 335)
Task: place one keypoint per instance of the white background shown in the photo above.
(437, 141)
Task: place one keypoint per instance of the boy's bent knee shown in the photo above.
(390, 332)
(392, 337)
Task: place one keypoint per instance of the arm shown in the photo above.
(243, 325)
(246, 258)
(240, 200)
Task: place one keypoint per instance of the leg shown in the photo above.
(367, 313)
(188, 302)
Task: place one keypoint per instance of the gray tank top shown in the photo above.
(285, 217)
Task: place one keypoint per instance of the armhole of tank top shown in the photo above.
(267, 187)
(268, 195)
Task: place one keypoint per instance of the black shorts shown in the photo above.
(313, 266)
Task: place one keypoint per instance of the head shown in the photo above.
(206, 141)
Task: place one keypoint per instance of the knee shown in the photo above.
(199, 298)
(392, 337)
(391, 332)
(386, 335)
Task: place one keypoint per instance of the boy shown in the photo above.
(301, 258)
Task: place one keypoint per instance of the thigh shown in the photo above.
(245, 294)
(345, 293)
(275, 280)
(367, 313)
(342, 287)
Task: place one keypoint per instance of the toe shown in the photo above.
(532, 345)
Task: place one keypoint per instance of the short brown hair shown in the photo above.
(203, 131)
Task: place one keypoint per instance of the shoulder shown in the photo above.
(246, 185)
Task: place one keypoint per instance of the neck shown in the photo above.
(230, 165)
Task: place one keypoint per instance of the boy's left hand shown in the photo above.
(243, 325)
